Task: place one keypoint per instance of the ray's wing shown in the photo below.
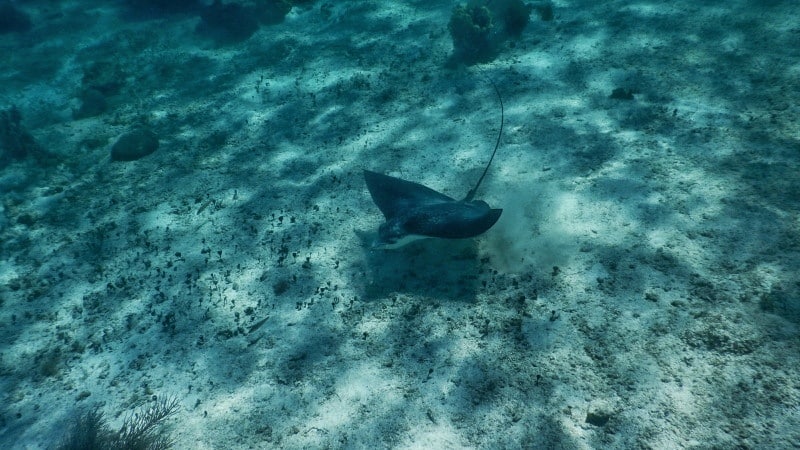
(394, 196)
(453, 220)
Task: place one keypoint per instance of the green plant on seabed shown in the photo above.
(141, 430)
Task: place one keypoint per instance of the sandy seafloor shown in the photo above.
(643, 276)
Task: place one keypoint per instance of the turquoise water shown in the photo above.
(183, 217)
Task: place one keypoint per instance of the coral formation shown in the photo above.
(470, 27)
(480, 27)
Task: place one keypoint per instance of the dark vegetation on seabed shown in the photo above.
(141, 430)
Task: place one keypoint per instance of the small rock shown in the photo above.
(597, 418)
(622, 94)
(134, 145)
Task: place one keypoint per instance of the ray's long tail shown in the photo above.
(471, 193)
